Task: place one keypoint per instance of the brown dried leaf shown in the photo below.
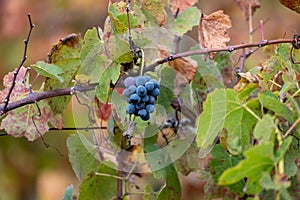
(291, 4)
(185, 65)
(213, 30)
(181, 5)
(244, 6)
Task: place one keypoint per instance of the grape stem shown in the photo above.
(142, 63)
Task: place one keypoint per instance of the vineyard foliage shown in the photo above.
(245, 124)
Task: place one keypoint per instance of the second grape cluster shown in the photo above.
(141, 93)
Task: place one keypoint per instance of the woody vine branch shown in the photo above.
(35, 97)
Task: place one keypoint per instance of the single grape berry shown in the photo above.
(142, 113)
(140, 80)
(129, 81)
(150, 108)
(126, 93)
(145, 118)
(130, 109)
(134, 98)
(131, 89)
(149, 86)
(141, 91)
(155, 92)
(156, 83)
(140, 106)
(147, 78)
(145, 99)
(151, 100)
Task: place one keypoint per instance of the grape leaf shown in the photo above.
(68, 193)
(224, 64)
(213, 30)
(259, 160)
(181, 5)
(180, 25)
(82, 155)
(110, 75)
(275, 105)
(291, 158)
(222, 161)
(155, 10)
(291, 4)
(27, 121)
(48, 70)
(65, 55)
(99, 187)
(264, 129)
(244, 6)
(223, 109)
(93, 63)
(19, 89)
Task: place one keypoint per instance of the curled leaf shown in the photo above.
(291, 4)
(213, 30)
(185, 65)
(244, 6)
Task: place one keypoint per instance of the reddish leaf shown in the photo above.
(19, 88)
(103, 111)
(244, 6)
(26, 121)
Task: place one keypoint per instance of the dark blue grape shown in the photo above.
(134, 98)
(145, 99)
(145, 118)
(140, 80)
(129, 81)
(156, 83)
(130, 109)
(155, 92)
(147, 78)
(126, 93)
(140, 106)
(150, 108)
(142, 113)
(141, 91)
(131, 89)
(149, 86)
(151, 100)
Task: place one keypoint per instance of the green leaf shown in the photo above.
(276, 106)
(110, 75)
(99, 187)
(291, 159)
(48, 70)
(283, 149)
(181, 25)
(149, 193)
(259, 160)
(93, 63)
(264, 129)
(222, 161)
(212, 119)
(65, 55)
(247, 90)
(172, 188)
(69, 193)
(223, 109)
(82, 155)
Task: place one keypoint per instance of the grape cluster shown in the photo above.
(141, 93)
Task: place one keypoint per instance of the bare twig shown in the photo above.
(207, 50)
(26, 41)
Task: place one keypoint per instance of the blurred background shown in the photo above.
(31, 171)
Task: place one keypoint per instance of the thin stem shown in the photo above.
(251, 112)
(291, 128)
(109, 175)
(26, 41)
(142, 63)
